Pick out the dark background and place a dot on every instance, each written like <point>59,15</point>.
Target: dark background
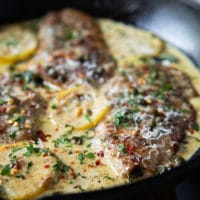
<point>177,23</point>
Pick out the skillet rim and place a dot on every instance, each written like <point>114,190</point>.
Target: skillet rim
<point>163,179</point>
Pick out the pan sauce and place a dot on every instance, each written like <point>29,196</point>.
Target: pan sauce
<point>60,148</point>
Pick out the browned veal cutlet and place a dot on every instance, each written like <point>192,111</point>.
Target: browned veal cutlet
<point>19,108</point>
<point>75,47</point>
<point>150,117</point>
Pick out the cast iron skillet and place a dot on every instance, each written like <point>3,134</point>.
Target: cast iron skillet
<point>172,20</point>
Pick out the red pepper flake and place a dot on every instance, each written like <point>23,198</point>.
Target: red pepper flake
<point>130,149</point>
<point>98,162</point>
<point>72,173</point>
<point>3,109</point>
<point>31,107</point>
<point>22,177</point>
<point>100,153</point>
<point>47,166</point>
<point>79,96</point>
<point>21,82</point>
<point>56,129</point>
<point>62,177</point>
<point>17,164</point>
<point>45,107</point>
<point>40,134</point>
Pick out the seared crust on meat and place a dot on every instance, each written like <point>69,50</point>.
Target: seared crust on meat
<point>18,110</point>
<point>71,35</point>
<point>84,31</point>
<point>151,116</point>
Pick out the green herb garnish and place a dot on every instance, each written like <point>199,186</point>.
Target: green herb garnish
<point>1,189</point>
<point>6,170</point>
<point>79,187</point>
<point>30,164</point>
<point>2,102</point>
<point>81,157</point>
<point>53,106</point>
<point>60,166</point>
<point>12,134</point>
<point>21,119</point>
<point>169,58</point>
<point>121,148</point>
<point>153,74</point>
<point>90,155</point>
<point>108,177</point>
<point>195,126</point>
<point>70,35</point>
<point>31,150</point>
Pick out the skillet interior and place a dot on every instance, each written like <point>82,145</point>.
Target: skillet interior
<point>171,20</point>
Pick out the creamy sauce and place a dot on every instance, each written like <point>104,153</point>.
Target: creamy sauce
<point>74,147</point>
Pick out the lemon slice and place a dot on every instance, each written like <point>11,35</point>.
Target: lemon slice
<point>131,41</point>
<point>24,171</point>
<point>16,44</point>
<point>80,107</point>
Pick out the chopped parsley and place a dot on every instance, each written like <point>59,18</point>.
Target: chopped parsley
<point>60,166</point>
<point>184,111</point>
<point>11,42</point>
<point>79,187</point>
<point>2,102</point>
<point>45,151</point>
<point>20,176</point>
<point>121,148</point>
<point>87,117</point>
<point>119,117</point>
<point>31,150</point>
<point>53,106</point>
<point>30,164</point>
<point>70,35</point>
<point>165,87</point>
<point>169,58</point>
<point>164,57</point>
<point>21,119</point>
<point>81,157</point>
<point>153,74</point>
<point>62,140</point>
<point>87,135</point>
<point>123,117</point>
<point>78,140</point>
<point>29,77</point>
<point>195,126</point>
<point>143,59</point>
<point>88,145</point>
<point>68,126</point>
<point>90,155</point>
<point>108,177</point>
<point>15,149</point>
<point>12,134</point>
<point>1,189</point>
<point>178,160</point>
<point>6,170</point>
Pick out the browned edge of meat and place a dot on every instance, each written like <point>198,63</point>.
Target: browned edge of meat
<point>72,35</point>
<point>19,109</point>
<point>150,118</point>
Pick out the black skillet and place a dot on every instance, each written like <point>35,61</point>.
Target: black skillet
<point>172,20</point>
